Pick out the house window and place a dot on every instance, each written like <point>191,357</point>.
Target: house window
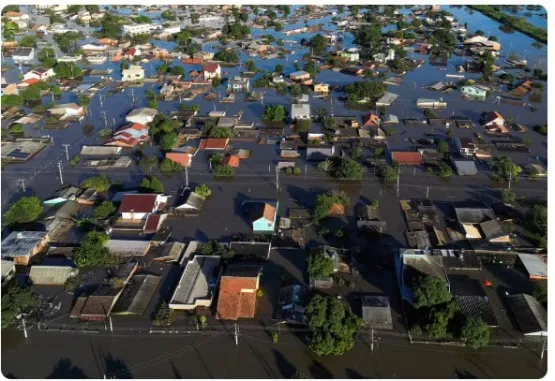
<point>137,75</point>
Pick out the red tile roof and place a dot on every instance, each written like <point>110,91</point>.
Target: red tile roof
<point>407,158</point>
<point>210,67</point>
<point>151,225</point>
<point>180,158</point>
<point>371,120</point>
<point>234,304</point>
<point>137,203</point>
<point>31,81</point>
<point>232,161</point>
<point>214,143</point>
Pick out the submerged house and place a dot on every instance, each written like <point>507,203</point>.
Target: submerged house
<point>264,217</point>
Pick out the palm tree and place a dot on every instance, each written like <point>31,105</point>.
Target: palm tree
<point>325,165</point>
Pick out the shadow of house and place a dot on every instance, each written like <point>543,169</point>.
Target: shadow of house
<point>65,369</point>
<point>318,370</point>
<point>176,373</point>
<point>351,373</point>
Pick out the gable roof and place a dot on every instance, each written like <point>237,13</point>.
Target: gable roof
<point>491,116</point>
<point>529,313</point>
<point>21,243</point>
<point>234,301</point>
<point>180,158</point>
<point>407,158</point>
<point>214,143</point>
<point>210,67</point>
<point>232,160</point>
<point>137,203</point>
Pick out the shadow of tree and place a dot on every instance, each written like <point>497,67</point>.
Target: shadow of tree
<point>65,369</point>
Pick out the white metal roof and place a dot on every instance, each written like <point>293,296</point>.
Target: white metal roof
<point>534,265</point>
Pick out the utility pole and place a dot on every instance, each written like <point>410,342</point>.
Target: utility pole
<point>277,178</point>
<point>236,334</point>
<point>22,181</point>
<point>60,169</point>
<point>105,119</point>
<point>111,325</point>
<point>510,178</point>
<point>372,342</point>
<point>66,146</point>
<point>133,96</point>
<point>427,192</point>
<point>186,177</point>
<point>261,98</point>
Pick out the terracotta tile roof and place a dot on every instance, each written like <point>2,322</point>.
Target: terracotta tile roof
<point>234,304</point>
<point>31,81</point>
<point>269,212</point>
<point>214,143</point>
<point>371,119</point>
<point>407,158</point>
<point>337,210</point>
<point>138,203</point>
<point>210,67</point>
<point>180,158</point>
<point>137,126</point>
<point>13,14</point>
<point>232,161</point>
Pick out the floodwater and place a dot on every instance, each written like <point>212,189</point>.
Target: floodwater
<point>117,106</point>
<point>171,356</point>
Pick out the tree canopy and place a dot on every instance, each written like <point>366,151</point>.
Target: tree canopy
<point>67,70</point>
<point>319,265</point>
<point>99,183</point>
<point>475,332</point>
<point>226,55</point>
<point>16,301</point>
<point>505,168</point>
<point>104,210</point>
<point>274,113</point>
<point>25,210</point>
<point>362,90</point>
<point>325,202</point>
<point>430,290</point>
<point>92,253</point>
<point>151,184</point>
<point>332,327</point>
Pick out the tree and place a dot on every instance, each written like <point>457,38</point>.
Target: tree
<point>390,131</point>
<point>226,55</point>
<point>279,68</point>
<point>98,183</point>
<point>439,317</point>
<point>92,8</point>
<point>167,141</point>
<point>165,316</point>
<point>332,327</point>
<point>148,163</point>
<point>84,100</point>
<point>303,125</point>
<point>445,170</point>
<point>274,113</point>
<point>216,158</point>
<point>153,104</point>
<point>475,332</point>
<point>378,151</point>
<point>29,41</point>
<point>195,18</point>
<point>325,202</point>
<point>16,128</point>
<point>443,147</point>
<point>297,66</point>
<point>348,169</point>
<point>505,168</point>
<point>25,210</point>
<point>203,190</point>
<point>539,129</point>
<point>17,301</point>
<point>12,100</point>
<point>539,291</point>
<point>104,210</point>
<point>168,15</point>
<point>223,171</point>
<point>508,197</point>
<point>56,90</point>
<point>527,141</point>
<point>10,8</point>
<point>251,66</point>
<point>319,265</point>
<point>151,184</point>
<point>92,253</point>
<point>32,93</point>
<point>67,70</point>
<point>538,219</point>
<point>388,174</point>
<point>213,247</point>
<point>169,166</point>
<point>9,28</point>
<point>220,132</point>
<point>295,91</point>
<point>364,90</point>
<point>430,290</point>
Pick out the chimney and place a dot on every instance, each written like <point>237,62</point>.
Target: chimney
<point>19,235</point>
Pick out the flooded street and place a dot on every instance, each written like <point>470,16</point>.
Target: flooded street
<point>93,356</point>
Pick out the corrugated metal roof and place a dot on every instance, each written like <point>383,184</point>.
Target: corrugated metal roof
<point>197,281</point>
<point>51,275</point>
<point>530,315</point>
<point>21,243</point>
<point>536,268</point>
<point>376,312</point>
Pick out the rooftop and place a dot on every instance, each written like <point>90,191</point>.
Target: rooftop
<point>21,243</point>
<point>198,280</point>
<point>530,315</point>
